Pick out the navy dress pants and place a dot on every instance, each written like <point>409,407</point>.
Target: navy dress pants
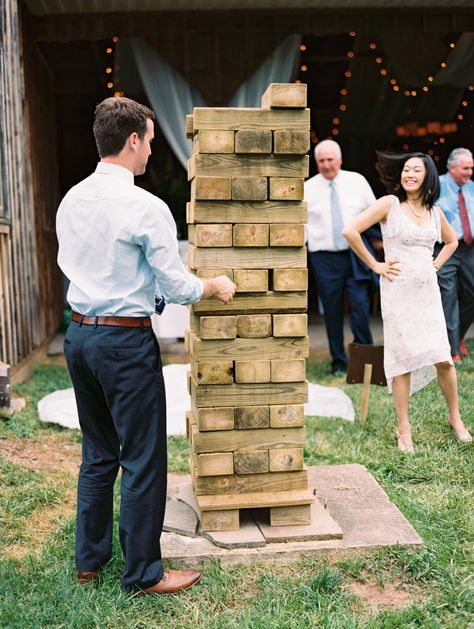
<point>456,283</point>
<point>118,383</point>
<point>332,272</point>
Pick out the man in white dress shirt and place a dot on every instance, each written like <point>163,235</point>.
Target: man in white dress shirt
<point>116,242</point>
<point>335,197</point>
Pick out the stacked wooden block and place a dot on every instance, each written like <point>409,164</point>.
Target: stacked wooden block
<point>247,381</point>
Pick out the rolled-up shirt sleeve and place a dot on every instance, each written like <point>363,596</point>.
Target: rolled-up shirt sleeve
<point>156,234</point>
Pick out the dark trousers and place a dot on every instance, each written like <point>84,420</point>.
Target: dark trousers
<point>332,272</point>
<point>118,383</point>
<point>456,283</point>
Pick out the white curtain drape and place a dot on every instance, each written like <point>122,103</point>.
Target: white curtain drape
<point>172,97</point>
<point>279,67</point>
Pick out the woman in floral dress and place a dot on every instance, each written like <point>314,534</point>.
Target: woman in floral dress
<point>416,347</point>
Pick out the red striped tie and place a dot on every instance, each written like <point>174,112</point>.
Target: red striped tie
<point>466,228</point>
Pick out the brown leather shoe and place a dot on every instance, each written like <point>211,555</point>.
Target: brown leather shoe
<point>174,581</point>
<point>86,577</point>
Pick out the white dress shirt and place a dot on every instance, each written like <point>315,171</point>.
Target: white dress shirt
<point>355,195</point>
<point>115,240</point>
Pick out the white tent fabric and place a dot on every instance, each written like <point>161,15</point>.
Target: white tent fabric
<point>279,67</point>
<point>172,97</point>
<point>60,407</point>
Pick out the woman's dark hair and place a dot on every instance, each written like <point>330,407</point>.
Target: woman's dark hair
<point>115,119</point>
<point>389,167</point>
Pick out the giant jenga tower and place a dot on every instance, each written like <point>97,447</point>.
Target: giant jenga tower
<point>248,378</point>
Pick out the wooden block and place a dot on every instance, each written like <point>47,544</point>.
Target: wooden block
<point>250,235</point>
<point>208,188</point>
<point>206,395</point>
<point>248,166</point>
<point>288,370</point>
<point>252,483</point>
<point>248,349</point>
<point>226,520</point>
<point>290,516</point>
<point>214,141</point>
<point>219,235</point>
<point>252,371</point>
<point>286,460</point>
<point>285,95</point>
<point>189,126</point>
<point>247,257</point>
<point>215,464</point>
<point>253,141</point>
<point>187,343</point>
<point>210,273</point>
<point>247,212</point>
<point>213,372</point>
<point>282,416</point>
<point>254,326</point>
<point>251,417</point>
<point>266,302</point>
<point>292,142</point>
<point>249,118</point>
<point>251,462</point>
<point>190,422</point>
<point>290,279</point>
<point>255,500</point>
<point>290,325</point>
<point>290,188</point>
<point>236,440</point>
<point>249,188</point>
<point>218,327</point>
<point>286,235</point>
<point>216,418</point>
<point>251,281</point>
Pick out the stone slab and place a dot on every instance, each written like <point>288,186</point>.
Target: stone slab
<point>322,527</point>
<point>180,518</point>
<point>249,534</point>
<point>354,500</point>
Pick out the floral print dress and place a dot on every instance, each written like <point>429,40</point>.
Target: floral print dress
<point>414,327</point>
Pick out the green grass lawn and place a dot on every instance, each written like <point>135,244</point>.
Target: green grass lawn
<point>430,587</point>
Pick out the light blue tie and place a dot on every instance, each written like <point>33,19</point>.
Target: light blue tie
<point>337,222</point>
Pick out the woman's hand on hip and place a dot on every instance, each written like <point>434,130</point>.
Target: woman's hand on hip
<point>388,269</point>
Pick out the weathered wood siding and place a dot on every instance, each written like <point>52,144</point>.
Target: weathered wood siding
<point>29,311</point>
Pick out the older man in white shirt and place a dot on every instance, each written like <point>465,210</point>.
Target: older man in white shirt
<point>335,197</point>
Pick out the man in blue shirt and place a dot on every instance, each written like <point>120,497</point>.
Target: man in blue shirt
<point>117,242</point>
<point>456,277</point>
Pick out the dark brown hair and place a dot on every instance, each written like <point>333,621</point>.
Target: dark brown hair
<point>389,167</point>
<point>115,119</point>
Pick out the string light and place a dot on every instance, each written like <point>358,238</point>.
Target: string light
<point>302,47</point>
<point>350,54</point>
<point>352,33</point>
<point>348,74</point>
<point>343,92</point>
<point>109,50</point>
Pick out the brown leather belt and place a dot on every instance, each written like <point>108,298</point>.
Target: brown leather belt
<point>123,322</point>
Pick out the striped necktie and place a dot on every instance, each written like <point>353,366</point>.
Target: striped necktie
<point>466,228</point>
<point>337,222</point>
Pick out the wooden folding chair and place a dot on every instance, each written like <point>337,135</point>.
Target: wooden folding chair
<point>365,366</point>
